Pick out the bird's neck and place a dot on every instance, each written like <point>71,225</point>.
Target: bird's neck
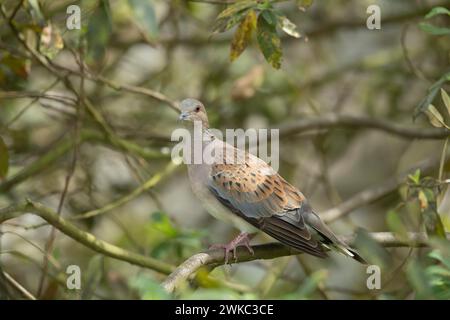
<point>207,135</point>
<point>200,138</point>
<point>198,131</point>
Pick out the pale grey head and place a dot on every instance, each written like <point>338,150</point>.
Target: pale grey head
<point>193,110</point>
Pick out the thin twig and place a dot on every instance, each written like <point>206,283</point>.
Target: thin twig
<point>150,183</point>
<point>70,173</point>
<point>416,71</point>
<point>38,95</point>
<point>18,287</point>
<point>27,107</point>
<point>58,150</point>
<point>123,87</point>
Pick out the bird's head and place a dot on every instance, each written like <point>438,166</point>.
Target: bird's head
<point>193,110</point>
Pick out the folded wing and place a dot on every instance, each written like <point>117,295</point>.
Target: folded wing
<point>255,192</point>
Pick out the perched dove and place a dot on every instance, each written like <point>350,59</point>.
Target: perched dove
<point>237,186</point>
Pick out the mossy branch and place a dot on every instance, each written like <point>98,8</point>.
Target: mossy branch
<point>274,250</point>
<point>83,237</point>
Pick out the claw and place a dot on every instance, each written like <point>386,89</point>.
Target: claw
<point>242,239</point>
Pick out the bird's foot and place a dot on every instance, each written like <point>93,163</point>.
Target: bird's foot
<point>243,239</point>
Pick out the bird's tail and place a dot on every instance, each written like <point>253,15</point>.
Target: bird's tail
<point>353,254</point>
<point>330,240</point>
<point>346,250</point>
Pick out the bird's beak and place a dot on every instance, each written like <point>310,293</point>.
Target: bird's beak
<point>183,116</point>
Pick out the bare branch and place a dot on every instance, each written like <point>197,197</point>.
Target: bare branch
<point>121,87</point>
<point>375,193</point>
<point>361,122</point>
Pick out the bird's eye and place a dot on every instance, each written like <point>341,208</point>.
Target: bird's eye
<point>197,109</point>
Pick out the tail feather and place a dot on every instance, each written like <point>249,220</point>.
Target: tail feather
<point>350,252</point>
<point>330,239</point>
<point>357,256</point>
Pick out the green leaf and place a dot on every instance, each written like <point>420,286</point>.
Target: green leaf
<point>144,13</point>
<point>371,250</point>
<point>288,27</point>
<point>92,276</point>
<point>214,294</point>
<point>304,4</point>
<point>311,283</point>
<point>431,219</point>
<point>436,31</point>
<point>437,255</point>
<point>419,280</point>
<point>162,223</point>
<point>243,35</point>
<point>395,223</point>
<point>98,32</point>
<point>433,223</point>
<point>437,10</point>
<point>4,159</point>
<point>224,24</point>
<point>270,17</point>
<point>232,15</point>
<point>446,100</point>
<point>268,40</point>
<point>148,288</point>
<point>431,94</point>
<point>438,272</point>
<point>36,12</point>
<point>435,116</point>
<point>236,7</point>
<point>415,177</point>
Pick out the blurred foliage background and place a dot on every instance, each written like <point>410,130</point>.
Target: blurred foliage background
<point>86,117</point>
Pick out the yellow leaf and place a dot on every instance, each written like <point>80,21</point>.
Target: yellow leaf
<point>423,200</point>
<point>304,4</point>
<point>235,8</point>
<point>243,35</point>
<point>435,116</point>
<point>446,100</point>
<point>289,27</point>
